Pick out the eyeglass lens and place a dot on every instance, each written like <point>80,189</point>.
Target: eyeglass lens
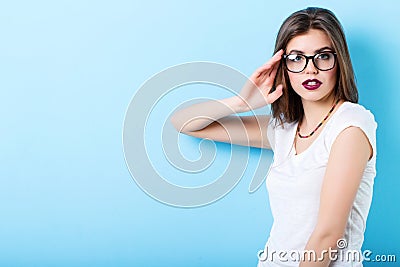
<point>322,61</point>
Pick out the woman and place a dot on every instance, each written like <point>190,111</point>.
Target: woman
<point>320,183</point>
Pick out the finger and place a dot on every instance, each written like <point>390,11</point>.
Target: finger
<point>275,58</point>
<point>266,69</point>
<point>262,69</point>
<point>269,73</point>
<point>272,73</point>
<point>272,97</point>
<point>270,63</point>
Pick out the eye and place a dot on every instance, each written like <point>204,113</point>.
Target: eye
<point>294,57</point>
<point>324,56</point>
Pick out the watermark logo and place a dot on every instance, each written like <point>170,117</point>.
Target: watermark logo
<point>341,243</point>
<point>134,135</point>
<point>341,253</point>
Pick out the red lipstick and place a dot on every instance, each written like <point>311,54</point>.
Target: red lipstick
<point>312,84</point>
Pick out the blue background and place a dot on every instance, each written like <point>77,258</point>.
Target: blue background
<point>68,70</point>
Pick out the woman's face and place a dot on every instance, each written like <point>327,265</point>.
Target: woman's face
<point>312,84</point>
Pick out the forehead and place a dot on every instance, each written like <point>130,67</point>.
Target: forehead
<point>309,42</point>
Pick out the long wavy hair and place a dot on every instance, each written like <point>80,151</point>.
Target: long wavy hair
<point>289,108</point>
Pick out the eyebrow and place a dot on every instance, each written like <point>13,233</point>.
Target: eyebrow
<point>316,51</point>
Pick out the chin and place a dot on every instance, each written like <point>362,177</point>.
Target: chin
<point>316,95</point>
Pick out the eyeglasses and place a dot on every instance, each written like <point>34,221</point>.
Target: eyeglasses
<point>297,62</point>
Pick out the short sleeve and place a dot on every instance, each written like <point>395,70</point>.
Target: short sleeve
<point>356,115</point>
<point>271,132</point>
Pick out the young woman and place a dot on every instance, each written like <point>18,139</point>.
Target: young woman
<point>320,183</point>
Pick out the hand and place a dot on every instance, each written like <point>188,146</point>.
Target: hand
<point>256,92</point>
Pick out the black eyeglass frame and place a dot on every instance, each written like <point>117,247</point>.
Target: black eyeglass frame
<point>312,59</point>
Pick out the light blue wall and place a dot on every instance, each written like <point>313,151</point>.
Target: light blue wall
<point>68,70</point>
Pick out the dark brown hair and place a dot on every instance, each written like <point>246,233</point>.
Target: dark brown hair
<point>289,108</point>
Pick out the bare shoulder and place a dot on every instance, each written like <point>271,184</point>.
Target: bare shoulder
<point>354,125</point>
<point>353,140</point>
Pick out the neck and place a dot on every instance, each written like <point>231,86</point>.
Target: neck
<point>315,111</point>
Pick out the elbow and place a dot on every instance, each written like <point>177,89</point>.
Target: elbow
<point>329,237</point>
<point>177,125</point>
<point>174,123</point>
<point>333,240</point>
<point>182,124</point>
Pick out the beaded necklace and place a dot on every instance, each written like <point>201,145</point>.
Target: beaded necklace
<point>319,125</point>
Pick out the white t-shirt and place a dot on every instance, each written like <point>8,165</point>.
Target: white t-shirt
<point>294,183</point>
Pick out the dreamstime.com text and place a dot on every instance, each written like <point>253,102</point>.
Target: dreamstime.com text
<point>339,254</point>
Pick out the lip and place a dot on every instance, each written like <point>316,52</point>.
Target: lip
<point>315,86</point>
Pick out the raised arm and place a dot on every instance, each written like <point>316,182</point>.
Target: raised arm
<point>215,120</point>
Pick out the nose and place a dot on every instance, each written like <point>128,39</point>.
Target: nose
<point>310,68</point>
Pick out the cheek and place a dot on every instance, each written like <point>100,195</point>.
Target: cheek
<point>331,76</point>
<point>295,80</point>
